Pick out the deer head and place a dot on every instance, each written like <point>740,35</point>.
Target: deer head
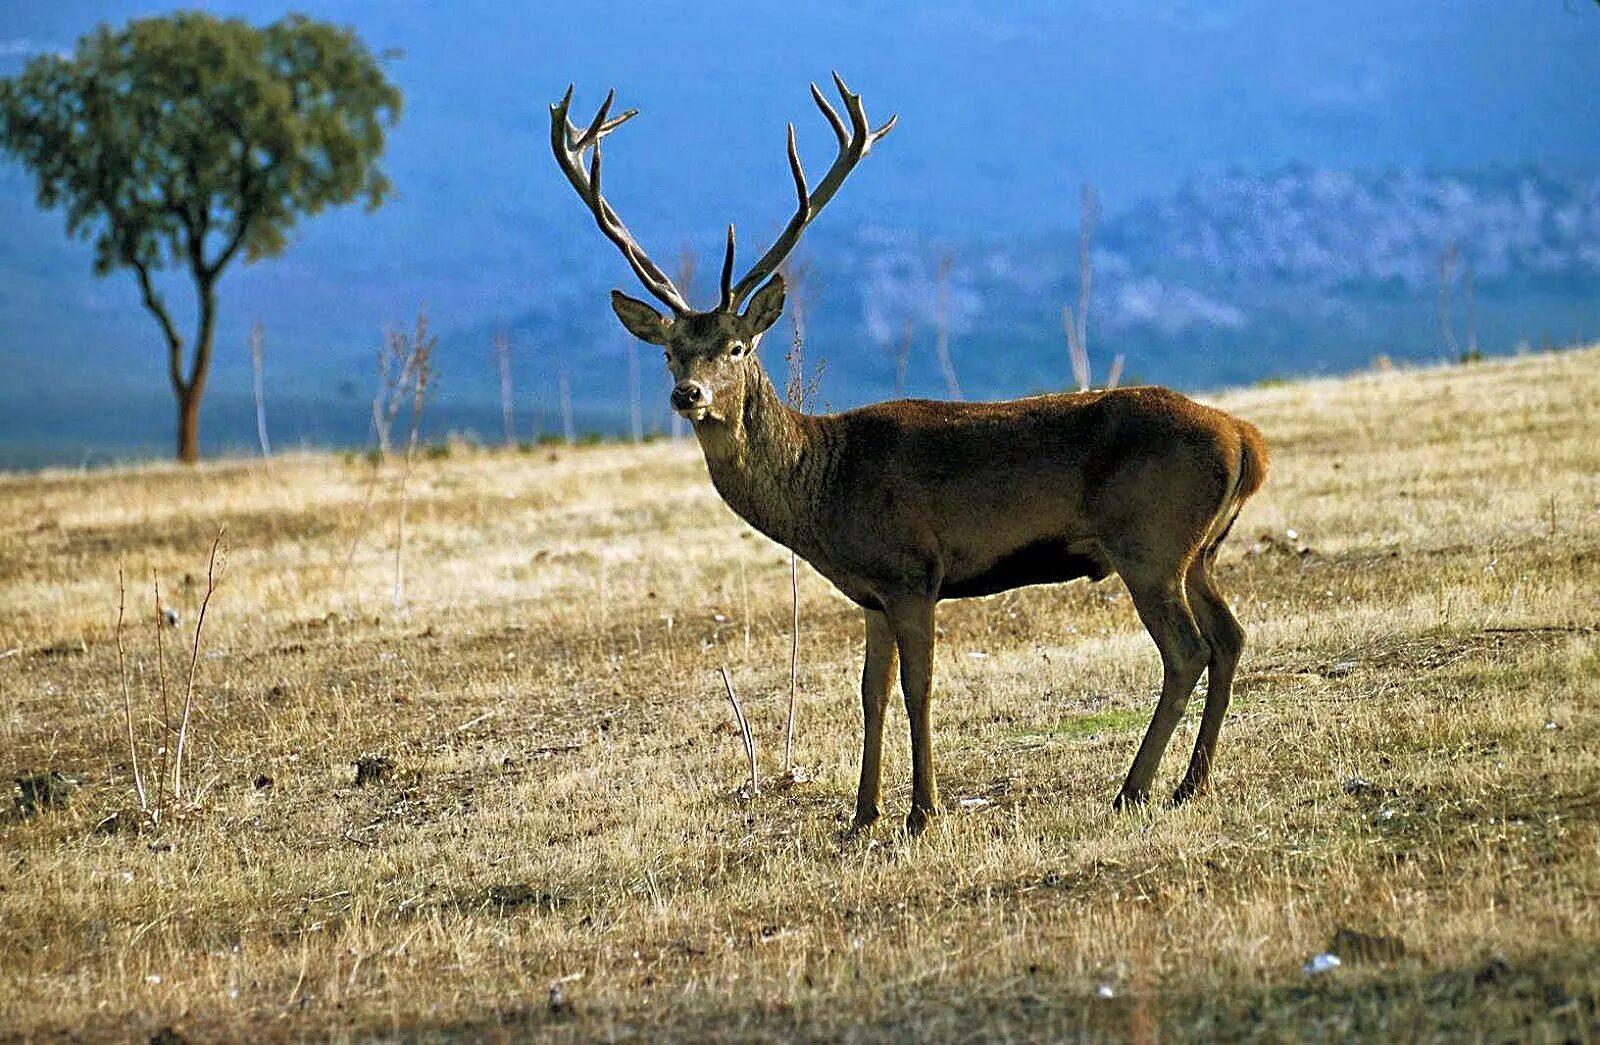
<point>711,354</point>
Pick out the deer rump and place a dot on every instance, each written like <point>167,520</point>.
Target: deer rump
<point>973,499</point>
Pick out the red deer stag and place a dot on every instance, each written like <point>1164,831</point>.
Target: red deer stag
<point>904,503</point>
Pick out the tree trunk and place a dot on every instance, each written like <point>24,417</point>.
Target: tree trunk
<point>188,425</point>
<point>188,392</point>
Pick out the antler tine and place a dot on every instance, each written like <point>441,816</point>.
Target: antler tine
<point>727,274</point>
<point>569,143</point>
<point>832,117</point>
<point>854,143</point>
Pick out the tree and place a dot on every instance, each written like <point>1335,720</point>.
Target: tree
<point>189,140</point>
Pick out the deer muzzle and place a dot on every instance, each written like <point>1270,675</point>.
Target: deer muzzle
<point>691,399</point>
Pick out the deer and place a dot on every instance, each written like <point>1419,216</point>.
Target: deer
<point>906,503</point>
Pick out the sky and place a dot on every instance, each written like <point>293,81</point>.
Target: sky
<point>1004,110</point>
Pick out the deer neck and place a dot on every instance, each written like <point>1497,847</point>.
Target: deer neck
<point>763,462</point>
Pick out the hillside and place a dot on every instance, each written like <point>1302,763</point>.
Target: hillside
<point>1227,280</point>
<point>557,846</point>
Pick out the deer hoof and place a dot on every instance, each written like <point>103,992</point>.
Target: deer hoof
<point>1187,790</point>
<point>862,823</point>
<point>920,820</point>
<point>1129,799</point>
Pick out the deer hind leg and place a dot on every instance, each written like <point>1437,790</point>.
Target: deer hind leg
<point>1164,609</point>
<point>1226,639</point>
<point>912,622</point>
<point>877,678</point>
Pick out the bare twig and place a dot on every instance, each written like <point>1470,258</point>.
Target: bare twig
<point>127,697</point>
<point>502,359</point>
<point>419,365</point>
<point>194,660</point>
<point>395,361</point>
<point>161,685</point>
<point>1447,270</point>
<point>635,406</point>
<point>1467,281</point>
<point>1088,219</point>
<point>569,431</point>
<point>902,359</point>
<point>1077,325</point>
<point>941,343</point>
<point>258,381</point>
<point>754,787</point>
<point>1075,350</point>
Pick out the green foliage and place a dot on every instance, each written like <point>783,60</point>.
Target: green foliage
<point>185,140</point>
<point>191,138</point>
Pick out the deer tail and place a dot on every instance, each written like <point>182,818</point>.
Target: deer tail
<point>1253,458</point>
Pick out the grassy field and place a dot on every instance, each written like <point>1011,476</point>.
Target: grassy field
<point>1410,776</point>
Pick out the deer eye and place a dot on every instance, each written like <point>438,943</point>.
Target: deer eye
<point>737,349</point>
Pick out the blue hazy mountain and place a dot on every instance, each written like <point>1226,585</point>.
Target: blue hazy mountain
<point>1279,182</point>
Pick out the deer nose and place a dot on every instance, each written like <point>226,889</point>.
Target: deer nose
<point>688,395</point>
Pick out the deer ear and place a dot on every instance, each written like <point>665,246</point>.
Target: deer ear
<point>642,321</point>
<point>765,307</point>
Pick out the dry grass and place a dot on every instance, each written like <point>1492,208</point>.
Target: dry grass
<point>1414,754</point>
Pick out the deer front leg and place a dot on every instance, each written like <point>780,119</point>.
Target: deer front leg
<point>877,676</point>
<point>912,621</point>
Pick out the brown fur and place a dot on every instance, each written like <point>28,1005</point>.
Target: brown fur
<point>906,503</point>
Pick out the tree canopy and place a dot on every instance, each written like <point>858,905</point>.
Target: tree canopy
<point>187,140</point>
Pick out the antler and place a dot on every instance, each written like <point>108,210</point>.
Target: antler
<point>853,145</point>
<point>569,144</point>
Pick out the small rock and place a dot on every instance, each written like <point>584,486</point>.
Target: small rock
<point>1357,785</point>
<point>41,791</point>
<point>1105,990</point>
<point>122,821</point>
<point>1321,963</point>
<point>1558,1000</point>
<point>1495,970</point>
<point>373,769</point>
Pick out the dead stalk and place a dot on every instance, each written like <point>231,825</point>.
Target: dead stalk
<point>1075,349</point>
<point>941,342</point>
<point>258,382</point>
<point>194,660</point>
<point>635,407</point>
<point>1077,327</point>
<point>902,361</point>
<point>754,787</point>
<point>502,359</point>
<point>1447,271</point>
<point>127,696</point>
<point>569,431</point>
<point>420,368</point>
<point>394,373</point>
<point>161,686</point>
